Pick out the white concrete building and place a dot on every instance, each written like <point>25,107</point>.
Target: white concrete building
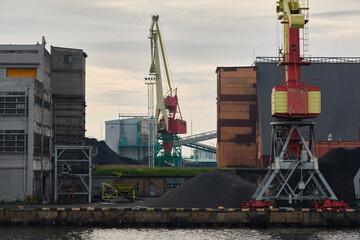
<point>25,125</point>
<point>127,136</point>
<point>28,114</point>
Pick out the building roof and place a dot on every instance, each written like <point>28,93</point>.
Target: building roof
<point>231,68</point>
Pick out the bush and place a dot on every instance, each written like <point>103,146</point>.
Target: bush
<point>148,172</point>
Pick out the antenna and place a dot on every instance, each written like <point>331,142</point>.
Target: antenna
<point>43,41</point>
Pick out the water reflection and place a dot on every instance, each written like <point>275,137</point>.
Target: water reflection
<point>34,232</point>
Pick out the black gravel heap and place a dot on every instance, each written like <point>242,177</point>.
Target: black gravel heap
<point>208,190</point>
<point>339,167</point>
<point>106,155</point>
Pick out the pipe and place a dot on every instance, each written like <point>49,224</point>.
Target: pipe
<point>26,134</point>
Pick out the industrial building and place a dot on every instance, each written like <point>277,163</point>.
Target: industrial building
<point>128,135</point>
<point>238,141</point>
<point>33,86</point>
<point>68,91</point>
<point>244,107</point>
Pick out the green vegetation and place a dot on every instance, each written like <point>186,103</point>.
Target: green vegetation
<point>148,172</point>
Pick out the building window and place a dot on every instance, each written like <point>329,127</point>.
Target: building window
<point>37,144</point>
<point>38,100</point>
<point>47,105</point>
<point>13,141</point>
<point>46,145</point>
<point>13,103</point>
<point>18,51</point>
<point>67,58</point>
<point>171,183</point>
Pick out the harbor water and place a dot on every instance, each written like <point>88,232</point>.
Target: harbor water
<point>89,233</point>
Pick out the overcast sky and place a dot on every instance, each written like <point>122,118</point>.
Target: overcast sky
<point>199,36</point>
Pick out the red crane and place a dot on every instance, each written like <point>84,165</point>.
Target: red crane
<point>294,100</point>
<point>168,115</point>
<point>294,175</point>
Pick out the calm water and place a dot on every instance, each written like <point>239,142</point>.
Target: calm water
<point>178,234</point>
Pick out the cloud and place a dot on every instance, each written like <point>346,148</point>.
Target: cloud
<point>199,35</point>
<point>327,15</point>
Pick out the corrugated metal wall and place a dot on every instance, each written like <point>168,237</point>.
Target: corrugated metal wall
<point>238,139</point>
<point>339,85</point>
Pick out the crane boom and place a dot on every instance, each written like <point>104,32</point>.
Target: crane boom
<point>168,115</point>
<point>155,69</point>
<point>164,58</point>
<point>167,107</point>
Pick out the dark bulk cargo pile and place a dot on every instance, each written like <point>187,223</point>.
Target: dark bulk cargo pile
<point>105,155</point>
<point>208,190</point>
<point>339,167</point>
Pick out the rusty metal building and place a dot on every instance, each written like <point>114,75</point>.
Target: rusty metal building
<point>237,113</point>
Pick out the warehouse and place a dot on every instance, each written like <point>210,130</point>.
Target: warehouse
<point>247,143</point>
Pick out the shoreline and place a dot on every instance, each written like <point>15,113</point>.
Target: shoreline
<point>177,217</point>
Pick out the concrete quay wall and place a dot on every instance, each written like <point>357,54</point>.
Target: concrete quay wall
<point>178,217</point>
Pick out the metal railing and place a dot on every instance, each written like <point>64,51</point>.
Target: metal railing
<point>352,60</point>
<point>132,115</point>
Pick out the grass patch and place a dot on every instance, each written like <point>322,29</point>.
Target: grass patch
<point>148,172</point>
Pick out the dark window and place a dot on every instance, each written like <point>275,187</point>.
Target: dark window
<point>13,103</point>
<point>13,141</point>
<point>19,51</point>
<point>171,183</point>
<point>67,58</point>
<point>46,145</point>
<point>37,144</point>
<point>47,105</point>
<point>38,100</point>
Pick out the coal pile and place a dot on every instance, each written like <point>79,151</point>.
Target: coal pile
<point>339,167</point>
<point>208,190</point>
<point>105,155</point>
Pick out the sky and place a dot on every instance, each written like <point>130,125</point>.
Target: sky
<point>199,36</point>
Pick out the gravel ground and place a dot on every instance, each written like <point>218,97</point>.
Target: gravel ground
<point>208,190</point>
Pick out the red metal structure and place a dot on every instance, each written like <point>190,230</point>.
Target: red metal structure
<point>330,205</point>
<point>252,204</point>
<point>294,175</point>
<point>175,125</point>
<point>297,93</point>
